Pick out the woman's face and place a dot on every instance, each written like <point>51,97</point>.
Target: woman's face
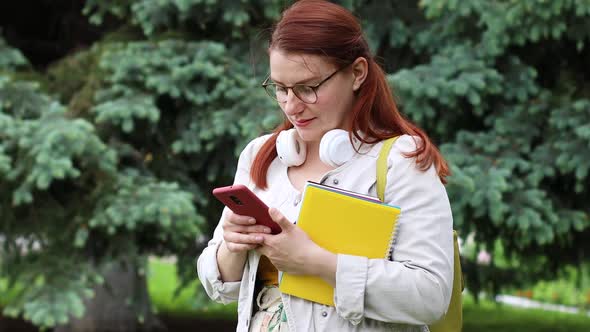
<point>335,96</point>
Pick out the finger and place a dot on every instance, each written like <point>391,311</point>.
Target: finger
<point>238,247</point>
<point>247,229</point>
<point>278,217</point>
<point>239,219</point>
<point>233,237</point>
<point>257,229</point>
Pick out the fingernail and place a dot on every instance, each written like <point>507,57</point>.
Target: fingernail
<point>252,221</point>
<point>258,238</point>
<point>267,230</point>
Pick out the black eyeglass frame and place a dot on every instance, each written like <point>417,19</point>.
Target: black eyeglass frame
<point>314,88</point>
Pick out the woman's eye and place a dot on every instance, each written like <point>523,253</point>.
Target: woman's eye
<point>306,90</point>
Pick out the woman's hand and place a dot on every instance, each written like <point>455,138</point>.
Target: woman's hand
<point>294,252</point>
<point>240,233</point>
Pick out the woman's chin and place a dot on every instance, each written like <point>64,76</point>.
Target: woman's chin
<point>309,136</point>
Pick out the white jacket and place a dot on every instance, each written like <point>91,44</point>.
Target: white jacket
<point>403,294</point>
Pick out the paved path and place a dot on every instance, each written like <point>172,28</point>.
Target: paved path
<point>528,303</point>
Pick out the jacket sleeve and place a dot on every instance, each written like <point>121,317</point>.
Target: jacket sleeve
<point>415,287</point>
<point>207,268</point>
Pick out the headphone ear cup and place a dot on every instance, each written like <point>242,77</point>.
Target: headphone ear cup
<point>291,149</point>
<point>335,148</point>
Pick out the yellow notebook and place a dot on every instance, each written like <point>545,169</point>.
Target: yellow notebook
<point>341,222</point>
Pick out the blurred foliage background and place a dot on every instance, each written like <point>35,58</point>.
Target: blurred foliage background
<point>118,117</point>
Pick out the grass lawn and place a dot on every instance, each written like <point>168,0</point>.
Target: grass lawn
<point>489,316</point>
<point>162,282</point>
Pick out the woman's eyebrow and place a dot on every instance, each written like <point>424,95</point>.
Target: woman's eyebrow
<point>307,80</point>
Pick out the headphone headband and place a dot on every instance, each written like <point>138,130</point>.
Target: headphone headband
<point>335,147</point>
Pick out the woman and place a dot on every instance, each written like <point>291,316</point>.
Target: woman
<point>324,78</point>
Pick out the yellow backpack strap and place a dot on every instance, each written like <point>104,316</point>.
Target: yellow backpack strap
<point>382,167</point>
<point>452,321</point>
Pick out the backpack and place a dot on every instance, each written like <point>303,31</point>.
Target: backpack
<point>452,321</point>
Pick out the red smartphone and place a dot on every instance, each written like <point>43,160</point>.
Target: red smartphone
<point>243,201</point>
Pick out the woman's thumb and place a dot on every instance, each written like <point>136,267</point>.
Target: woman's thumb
<point>278,217</point>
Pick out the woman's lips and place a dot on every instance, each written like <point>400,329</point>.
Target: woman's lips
<point>303,123</point>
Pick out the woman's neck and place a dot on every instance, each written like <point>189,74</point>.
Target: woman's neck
<point>311,170</point>
<point>313,162</point>
<point>313,152</point>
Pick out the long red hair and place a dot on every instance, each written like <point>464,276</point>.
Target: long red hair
<point>326,29</point>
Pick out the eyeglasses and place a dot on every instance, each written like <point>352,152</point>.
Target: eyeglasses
<point>306,93</point>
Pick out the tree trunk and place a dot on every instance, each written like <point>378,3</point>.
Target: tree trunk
<point>110,309</point>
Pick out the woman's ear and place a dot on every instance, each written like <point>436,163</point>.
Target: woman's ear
<point>360,69</point>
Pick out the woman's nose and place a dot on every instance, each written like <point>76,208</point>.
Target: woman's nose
<point>293,104</point>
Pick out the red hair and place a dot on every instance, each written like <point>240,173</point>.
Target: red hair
<point>326,29</point>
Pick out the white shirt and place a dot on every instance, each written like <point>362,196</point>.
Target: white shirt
<point>403,294</point>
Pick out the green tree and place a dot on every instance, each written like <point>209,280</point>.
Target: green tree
<point>503,88</point>
<point>506,93</point>
<point>108,154</point>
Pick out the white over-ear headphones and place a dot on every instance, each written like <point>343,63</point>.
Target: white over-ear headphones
<point>335,148</point>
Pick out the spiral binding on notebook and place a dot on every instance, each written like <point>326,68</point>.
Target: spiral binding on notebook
<point>392,242</point>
